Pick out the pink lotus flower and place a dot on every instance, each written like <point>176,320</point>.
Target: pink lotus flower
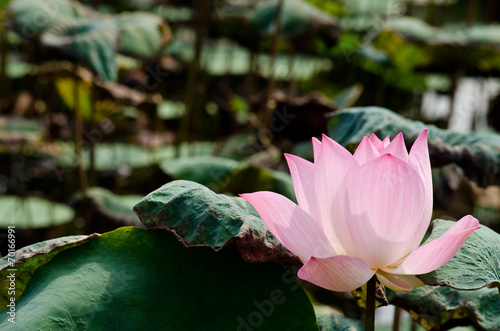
<point>362,214</point>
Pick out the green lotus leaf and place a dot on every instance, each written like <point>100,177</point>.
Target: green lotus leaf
<point>442,308</point>
<point>116,209</point>
<point>26,260</point>
<point>475,265</point>
<point>32,17</point>
<point>142,34</point>
<point>199,216</point>
<point>211,171</point>
<point>32,213</point>
<point>132,278</point>
<point>297,15</point>
<point>329,320</point>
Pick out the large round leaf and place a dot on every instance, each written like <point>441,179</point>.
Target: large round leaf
<point>210,171</point>
<point>27,259</point>
<point>32,213</point>
<point>112,208</point>
<point>329,320</point>
<point>171,110</point>
<point>141,34</point>
<point>87,37</point>
<point>90,42</point>
<point>134,279</point>
<point>15,128</point>
<point>476,264</point>
<point>31,17</point>
<point>412,43</point>
<point>441,308</point>
<point>113,156</point>
<point>199,216</point>
<point>221,58</point>
<point>225,175</point>
<point>296,17</point>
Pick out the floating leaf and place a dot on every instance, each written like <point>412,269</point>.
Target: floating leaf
<point>91,42</point>
<point>27,259</point>
<point>446,48</point>
<point>476,264</point>
<point>132,278</point>
<point>20,128</point>
<point>32,213</point>
<point>32,17</point>
<point>253,178</point>
<point>168,110</point>
<point>442,308</point>
<point>174,14</point>
<point>296,17</point>
<point>210,171</point>
<point>201,217</point>
<point>19,69</point>
<point>329,320</point>
<point>113,156</point>
<point>239,146</point>
<point>108,156</point>
<point>414,28</point>
<point>304,66</point>
<point>222,58</point>
<point>116,209</point>
<point>483,34</point>
<point>477,153</point>
<point>405,56</point>
<point>225,175</point>
<point>87,37</point>
<point>348,96</point>
<point>141,35</point>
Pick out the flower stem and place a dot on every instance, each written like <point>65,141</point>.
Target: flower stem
<point>370,304</point>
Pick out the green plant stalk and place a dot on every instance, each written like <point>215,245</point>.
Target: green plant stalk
<point>371,286</point>
<point>266,111</point>
<point>93,112</point>
<point>190,124</point>
<point>271,83</point>
<point>3,59</point>
<point>250,76</point>
<point>292,87</point>
<point>79,133</point>
<point>397,319</point>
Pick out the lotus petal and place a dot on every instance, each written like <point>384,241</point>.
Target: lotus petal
<point>379,144</point>
<point>397,148</point>
<point>400,283</point>
<point>337,273</point>
<point>383,205</point>
<point>291,225</point>
<point>316,148</point>
<point>331,169</point>
<point>302,172</point>
<point>365,151</point>
<point>419,159</point>
<point>436,253</point>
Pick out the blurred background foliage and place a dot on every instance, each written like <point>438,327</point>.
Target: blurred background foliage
<point>104,102</point>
